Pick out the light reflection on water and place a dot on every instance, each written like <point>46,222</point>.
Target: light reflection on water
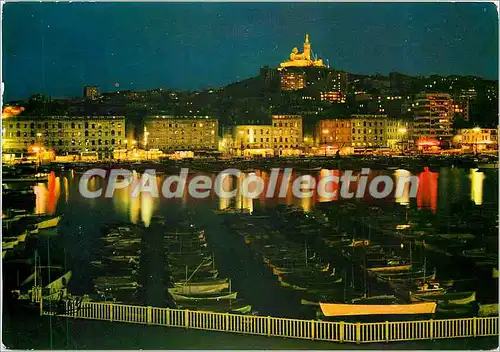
<point>451,182</point>
<point>477,181</point>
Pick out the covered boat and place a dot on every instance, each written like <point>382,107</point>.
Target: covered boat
<point>339,309</point>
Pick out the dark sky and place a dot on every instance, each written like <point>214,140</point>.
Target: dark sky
<point>57,48</point>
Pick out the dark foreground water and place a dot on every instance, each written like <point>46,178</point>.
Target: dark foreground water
<point>77,244</point>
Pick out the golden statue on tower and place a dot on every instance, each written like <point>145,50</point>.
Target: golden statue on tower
<point>302,59</point>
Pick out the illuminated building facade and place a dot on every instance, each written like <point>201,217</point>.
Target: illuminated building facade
<point>334,133</point>
<point>461,108</point>
<point>64,134</point>
<point>399,134</point>
<point>253,140</point>
<point>332,96</point>
<point>90,92</point>
<point>283,137</point>
<point>288,134</point>
<point>433,115</point>
<point>171,133</point>
<point>477,139</point>
<point>369,131</point>
<point>292,80</point>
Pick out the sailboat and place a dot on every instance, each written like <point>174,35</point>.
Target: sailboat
<point>53,291</point>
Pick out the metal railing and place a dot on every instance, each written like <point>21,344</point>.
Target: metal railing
<point>280,327</point>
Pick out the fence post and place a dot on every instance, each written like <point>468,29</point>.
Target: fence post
<point>431,332</point>
<point>386,331</point>
<point>358,332</point>
<point>341,337</point>
<point>167,318</point>
<point>474,326</point>
<point>312,330</point>
<point>110,312</point>
<point>186,318</point>
<point>227,322</point>
<point>150,315</point>
<point>268,325</point>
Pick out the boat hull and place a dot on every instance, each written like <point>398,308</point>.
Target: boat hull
<point>334,309</point>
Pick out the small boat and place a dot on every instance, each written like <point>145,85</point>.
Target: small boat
<point>410,278</point>
<point>305,302</point>
<point>488,310</point>
<point>390,268</point>
<point>492,165</point>
<point>381,299</point>
<point>228,306</point>
<point>455,298</point>
<point>60,283</point>
<point>339,309</point>
<point>477,253</point>
<point>209,297</point>
<point>199,287</point>
<point>426,290</point>
<point>456,309</point>
<point>48,223</point>
<point>457,236</point>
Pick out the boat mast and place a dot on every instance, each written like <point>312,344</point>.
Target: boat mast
<point>305,244</point>
<point>345,284</point>
<point>50,291</point>
<point>425,264</point>
<point>35,266</point>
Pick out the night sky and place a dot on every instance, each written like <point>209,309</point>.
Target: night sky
<point>57,48</point>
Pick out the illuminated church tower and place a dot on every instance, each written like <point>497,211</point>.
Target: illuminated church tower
<point>307,48</point>
<point>302,59</point>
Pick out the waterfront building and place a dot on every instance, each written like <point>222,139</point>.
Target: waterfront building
<point>288,134</point>
<point>90,92</point>
<point>477,139</point>
<point>334,133</point>
<point>249,140</point>
<point>284,136</point>
<point>64,134</point>
<point>369,131</point>
<point>399,134</point>
<point>174,133</point>
<point>433,116</point>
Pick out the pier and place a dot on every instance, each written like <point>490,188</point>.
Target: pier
<point>358,333</point>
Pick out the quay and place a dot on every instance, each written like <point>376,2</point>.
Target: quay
<point>358,333</point>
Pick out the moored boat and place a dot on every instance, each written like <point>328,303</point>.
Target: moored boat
<point>339,309</point>
<point>207,297</point>
<point>488,310</point>
<point>199,287</point>
<point>454,298</point>
<point>426,290</point>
